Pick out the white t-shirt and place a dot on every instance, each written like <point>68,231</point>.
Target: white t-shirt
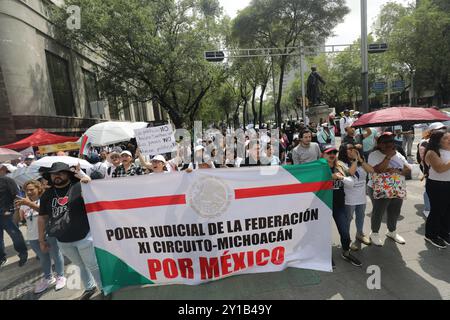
<point>397,162</point>
<point>31,216</point>
<point>444,176</point>
<point>355,189</point>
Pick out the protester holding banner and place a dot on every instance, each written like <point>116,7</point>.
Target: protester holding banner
<point>127,168</point>
<point>29,211</point>
<point>114,161</point>
<point>62,207</point>
<point>339,215</point>
<point>355,191</point>
<point>306,151</point>
<point>387,187</point>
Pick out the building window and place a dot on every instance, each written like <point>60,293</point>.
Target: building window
<point>126,108</point>
<point>91,92</point>
<point>140,111</point>
<point>58,69</point>
<point>113,108</point>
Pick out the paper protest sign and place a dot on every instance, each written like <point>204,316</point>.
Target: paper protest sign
<point>156,140</point>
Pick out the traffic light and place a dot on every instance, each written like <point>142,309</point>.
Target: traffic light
<point>377,47</point>
<point>214,56</point>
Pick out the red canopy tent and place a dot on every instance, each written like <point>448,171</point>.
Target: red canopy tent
<point>39,138</point>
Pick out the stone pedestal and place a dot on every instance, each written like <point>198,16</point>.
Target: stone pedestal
<point>318,112</point>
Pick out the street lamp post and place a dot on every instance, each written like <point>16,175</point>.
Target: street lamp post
<point>364,59</point>
<point>303,82</point>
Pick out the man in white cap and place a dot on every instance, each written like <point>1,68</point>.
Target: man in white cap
<point>345,122</point>
<point>325,135</point>
<point>127,168</point>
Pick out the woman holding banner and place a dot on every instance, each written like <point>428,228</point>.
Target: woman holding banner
<point>339,175</point>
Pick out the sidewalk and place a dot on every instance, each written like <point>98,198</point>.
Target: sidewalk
<point>17,283</point>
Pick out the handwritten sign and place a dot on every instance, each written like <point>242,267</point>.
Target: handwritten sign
<point>156,140</point>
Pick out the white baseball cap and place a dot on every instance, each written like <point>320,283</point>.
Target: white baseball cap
<point>436,126</point>
<point>159,158</point>
<point>8,167</point>
<point>126,152</point>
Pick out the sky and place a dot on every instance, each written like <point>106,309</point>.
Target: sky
<point>346,32</point>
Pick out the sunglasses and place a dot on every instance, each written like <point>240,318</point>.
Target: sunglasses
<point>332,152</point>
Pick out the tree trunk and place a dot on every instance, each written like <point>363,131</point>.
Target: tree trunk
<point>244,113</point>
<point>255,114</point>
<point>280,91</point>
<point>261,102</point>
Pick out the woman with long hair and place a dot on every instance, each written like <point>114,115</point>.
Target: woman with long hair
<point>29,211</point>
<point>340,177</point>
<point>437,168</point>
<point>355,192</point>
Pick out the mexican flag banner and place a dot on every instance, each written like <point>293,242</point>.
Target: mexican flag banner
<point>191,228</point>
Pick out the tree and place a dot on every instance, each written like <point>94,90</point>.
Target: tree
<point>421,41</point>
<point>154,47</point>
<point>285,23</point>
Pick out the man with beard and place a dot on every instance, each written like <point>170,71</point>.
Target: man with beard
<point>62,206</point>
<point>306,151</point>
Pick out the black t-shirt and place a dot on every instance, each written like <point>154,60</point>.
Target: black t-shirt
<point>8,192</point>
<point>338,192</point>
<point>55,202</point>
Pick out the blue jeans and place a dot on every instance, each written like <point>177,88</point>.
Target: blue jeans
<point>359,211</point>
<point>45,258</point>
<point>82,254</point>
<point>343,225</point>
<point>426,201</point>
<point>7,224</point>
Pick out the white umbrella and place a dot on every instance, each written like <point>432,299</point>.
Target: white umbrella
<point>111,132</point>
<point>47,162</point>
<point>8,155</point>
<point>22,175</point>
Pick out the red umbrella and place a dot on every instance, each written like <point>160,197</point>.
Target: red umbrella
<point>39,138</point>
<point>400,115</point>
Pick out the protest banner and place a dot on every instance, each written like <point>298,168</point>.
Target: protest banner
<point>191,228</point>
<point>67,146</point>
<point>156,140</point>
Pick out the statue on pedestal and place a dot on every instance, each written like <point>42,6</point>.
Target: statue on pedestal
<point>313,87</point>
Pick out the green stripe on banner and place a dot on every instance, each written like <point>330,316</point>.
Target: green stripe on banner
<point>315,171</point>
<point>116,273</point>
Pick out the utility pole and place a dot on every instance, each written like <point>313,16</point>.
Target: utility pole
<point>302,74</point>
<point>364,59</point>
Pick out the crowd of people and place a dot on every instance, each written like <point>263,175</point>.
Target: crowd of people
<point>369,162</point>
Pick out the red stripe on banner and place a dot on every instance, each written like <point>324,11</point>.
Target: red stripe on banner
<point>282,190</point>
<point>136,203</point>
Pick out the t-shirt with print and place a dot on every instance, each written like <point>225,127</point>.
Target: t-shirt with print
<point>55,202</point>
<point>355,192</point>
<point>31,216</point>
<point>338,192</point>
<point>397,161</point>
